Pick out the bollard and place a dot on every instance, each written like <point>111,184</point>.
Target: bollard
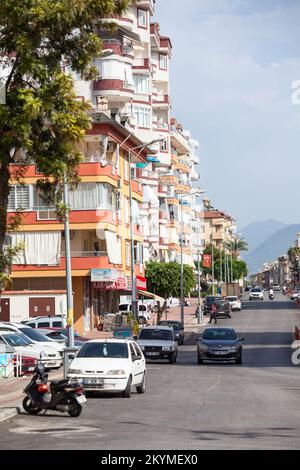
<point>69,355</point>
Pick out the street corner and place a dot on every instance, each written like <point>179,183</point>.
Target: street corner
<point>7,413</point>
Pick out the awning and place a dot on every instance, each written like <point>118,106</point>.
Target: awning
<point>149,295</point>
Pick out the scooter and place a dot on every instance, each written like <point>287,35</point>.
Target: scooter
<point>65,395</point>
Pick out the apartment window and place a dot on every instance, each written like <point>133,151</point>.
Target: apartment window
<point>164,146</point>
<point>142,18</point>
<point>127,253</point>
<point>163,61</point>
<point>126,210</point>
<point>93,196</point>
<point>19,198</point>
<point>141,84</point>
<point>142,117</point>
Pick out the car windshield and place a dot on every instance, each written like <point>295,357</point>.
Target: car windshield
<point>13,339</point>
<point>231,299</point>
<point>124,307</point>
<point>256,290</point>
<point>35,335</point>
<point>163,335</point>
<point>219,334</point>
<point>104,350</point>
<point>175,326</point>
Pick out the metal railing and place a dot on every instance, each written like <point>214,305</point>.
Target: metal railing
<point>86,254</point>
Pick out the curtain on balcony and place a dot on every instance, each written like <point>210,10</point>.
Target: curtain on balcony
<point>150,196</point>
<point>114,250</point>
<point>92,196</point>
<point>41,248</point>
<point>173,236</point>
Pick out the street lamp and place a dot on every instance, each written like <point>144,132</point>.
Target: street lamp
<point>199,309</point>
<point>195,192</point>
<point>134,301</point>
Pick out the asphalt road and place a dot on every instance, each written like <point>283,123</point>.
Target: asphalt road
<point>213,406</point>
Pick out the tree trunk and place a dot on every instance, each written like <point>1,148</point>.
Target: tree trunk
<point>160,310</point>
<point>4,192</point>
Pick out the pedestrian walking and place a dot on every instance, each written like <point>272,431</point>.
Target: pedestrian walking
<point>213,313</point>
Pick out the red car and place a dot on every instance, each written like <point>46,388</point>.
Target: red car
<point>27,367</point>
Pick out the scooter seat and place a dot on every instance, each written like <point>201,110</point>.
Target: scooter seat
<point>59,383</point>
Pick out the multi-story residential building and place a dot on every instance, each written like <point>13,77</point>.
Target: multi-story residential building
<point>218,226</point>
<point>100,235</point>
<point>131,106</point>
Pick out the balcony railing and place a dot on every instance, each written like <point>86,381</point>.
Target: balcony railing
<point>85,254</point>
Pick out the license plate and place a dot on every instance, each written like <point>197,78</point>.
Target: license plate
<point>220,353</point>
<point>51,364</point>
<point>152,353</point>
<point>31,368</point>
<point>93,381</point>
<point>81,399</point>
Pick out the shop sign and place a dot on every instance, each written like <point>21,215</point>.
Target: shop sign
<point>104,275</point>
<point>141,283</point>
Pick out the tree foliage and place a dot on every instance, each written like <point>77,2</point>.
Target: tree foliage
<point>163,279</point>
<point>239,267</point>
<point>39,41</point>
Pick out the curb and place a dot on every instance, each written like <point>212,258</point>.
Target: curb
<point>8,413</point>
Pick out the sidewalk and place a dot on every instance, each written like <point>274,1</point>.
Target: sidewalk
<point>11,393</point>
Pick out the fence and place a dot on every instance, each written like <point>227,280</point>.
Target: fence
<point>15,365</point>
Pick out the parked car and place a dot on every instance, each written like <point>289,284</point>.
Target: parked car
<point>235,303</point>
<point>22,345</point>
<point>219,344</point>
<point>34,335</point>
<point>208,301</point>
<point>60,335</point>
<point>26,366</point>
<point>52,321</point>
<point>256,293</point>
<point>110,365</point>
<point>276,287</point>
<point>223,308</point>
<point>158,342</point>
<point>177,327</point>
<point>144,311</point>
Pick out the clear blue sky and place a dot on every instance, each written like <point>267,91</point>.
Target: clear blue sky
<point>233,65</point>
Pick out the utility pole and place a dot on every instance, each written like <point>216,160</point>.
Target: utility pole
<point>70,316</point>
<point>199,316</point>
<point>212,265</point>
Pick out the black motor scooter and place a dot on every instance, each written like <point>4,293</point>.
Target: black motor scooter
<point>271,296</point>
<point>65,395</point>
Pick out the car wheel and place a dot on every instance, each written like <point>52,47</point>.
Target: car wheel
<point>239,359</point>
<point>200,361</point>
<point>127,391</point>
<point>142,387</point>
<point>172,359</point>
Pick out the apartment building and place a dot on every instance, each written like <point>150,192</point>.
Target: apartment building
<point>219,227</point>
<point>131,115</point>
<point>100,235</point>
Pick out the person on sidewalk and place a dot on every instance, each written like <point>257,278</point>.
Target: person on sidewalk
<point>213,313</point>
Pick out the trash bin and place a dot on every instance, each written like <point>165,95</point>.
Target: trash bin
<point>69,355</point>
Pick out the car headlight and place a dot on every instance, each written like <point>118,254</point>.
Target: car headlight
<point>233,348</point>
<point>167,348</point>
<point>74,371</point>
<point>203,346</point>
<point>142,348</point>
<point>116,372</point>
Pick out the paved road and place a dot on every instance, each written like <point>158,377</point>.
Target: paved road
<point>214,406</point>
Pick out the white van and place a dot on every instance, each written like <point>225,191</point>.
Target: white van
<point>144,311</point>
<point>54,321</point>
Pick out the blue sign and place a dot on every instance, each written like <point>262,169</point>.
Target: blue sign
<point>104,275</point>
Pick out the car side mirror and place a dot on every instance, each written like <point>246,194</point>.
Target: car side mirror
<point>71,356</point>
<point>241,339</point>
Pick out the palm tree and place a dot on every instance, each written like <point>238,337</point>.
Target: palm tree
<point>236,245</point>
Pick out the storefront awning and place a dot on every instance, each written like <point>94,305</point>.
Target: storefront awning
<point>149,295</point>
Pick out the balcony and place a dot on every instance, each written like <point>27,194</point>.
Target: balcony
<point>182,165</point>
<point>179,142</point>
<point>162,190</point>
<point>174,159</point>
<point>163,241</point>
<point>113,88</point>
<point>161,101</point>
<point>182,189</point>
<point>170,179</point>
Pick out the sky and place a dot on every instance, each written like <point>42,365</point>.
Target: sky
<point>233,66</point>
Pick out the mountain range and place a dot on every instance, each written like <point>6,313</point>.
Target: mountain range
<point>267,241</point>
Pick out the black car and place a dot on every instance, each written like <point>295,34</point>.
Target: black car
<point>219,344</point>
<point>223,308</point>
<point>209,300</point>
<point>177,327</point>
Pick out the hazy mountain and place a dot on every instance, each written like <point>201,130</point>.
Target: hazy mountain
<point>276,245</point>
<point>258,232</point>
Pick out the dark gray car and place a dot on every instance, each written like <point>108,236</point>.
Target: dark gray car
<point>219,344</point>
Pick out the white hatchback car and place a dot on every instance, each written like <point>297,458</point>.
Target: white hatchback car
<point>235,302</point>
<point>256,294</point>
<point>110,365</point>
